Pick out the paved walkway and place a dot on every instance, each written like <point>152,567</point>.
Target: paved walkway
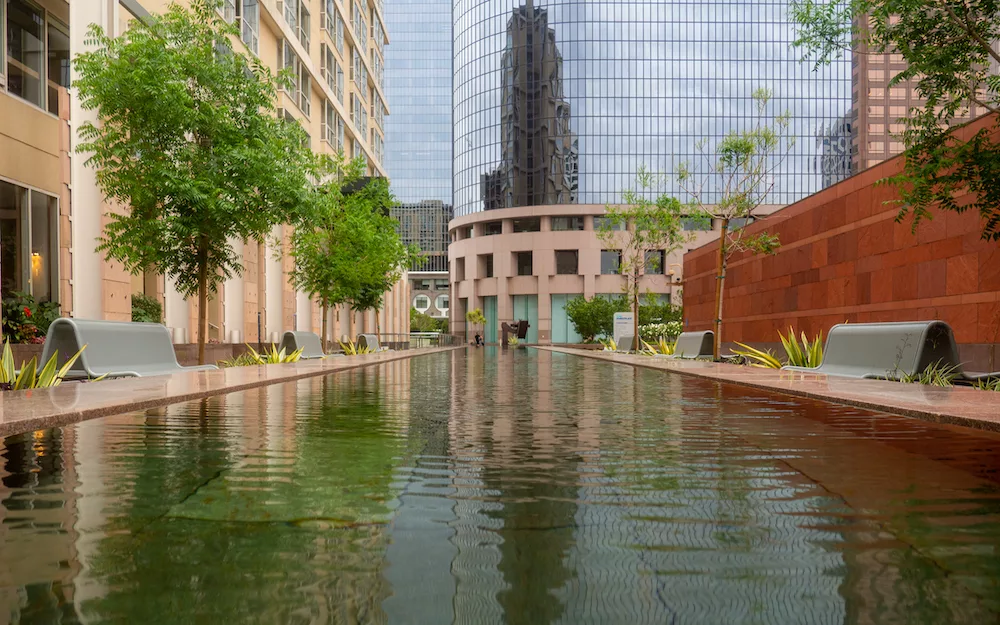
<point>955,405</point>
<point>71,402</point>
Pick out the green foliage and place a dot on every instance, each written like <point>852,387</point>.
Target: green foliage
<point>476,317</point>
<point>936,374</point>
<point>251,357</point>
<point>420,322</point>
<point>512,341</point>
<point>594,317</point>
<point>654,332</point>
<point>31,376</point>
<point>805,354</point>
<point>992,384</point>
<point>743,166</point>
<point>950,54</point>
<point>798,353</point>
<point>757,357</point>
<point>187,141</point>
<point>638,225</point>
<point>661,346</point>
<point>609,344</point>
<point>353,349</point>
<point>346,246</point>
<point>146,309</point>
<point>26,320</point>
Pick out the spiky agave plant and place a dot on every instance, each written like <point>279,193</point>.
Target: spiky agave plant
<point>758,357</point>
<point>805,353</point>
<point>30,376</point>
<point>354,349</point>
<point>935,374</point>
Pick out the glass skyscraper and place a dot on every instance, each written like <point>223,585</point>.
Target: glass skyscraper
<point>561,101</point>
<point>418,130</point>
<point>418,89</point>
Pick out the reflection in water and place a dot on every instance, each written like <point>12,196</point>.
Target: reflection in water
<point>481,487</point>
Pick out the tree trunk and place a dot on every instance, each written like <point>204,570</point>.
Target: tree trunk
<point>202,300</point>
<point>378,333</point>
<point>635,308</point>
<point>323,326</point>
<point>719,285</point>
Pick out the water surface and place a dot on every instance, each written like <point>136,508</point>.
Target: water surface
<point>480,487</point>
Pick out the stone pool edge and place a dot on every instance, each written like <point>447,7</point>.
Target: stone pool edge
<point>957,406</point>
<point>70,403</point>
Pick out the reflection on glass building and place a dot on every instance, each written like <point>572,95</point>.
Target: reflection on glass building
<point>561,101</point>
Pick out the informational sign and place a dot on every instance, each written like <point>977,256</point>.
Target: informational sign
<point>624,329</point>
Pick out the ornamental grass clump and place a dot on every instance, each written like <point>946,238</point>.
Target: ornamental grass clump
<point>30,376</point>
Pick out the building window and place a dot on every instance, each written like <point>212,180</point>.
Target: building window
<point>29,242</point>
<point>421,303</point>
<point>562,224</point>
<point>441,303</point>
<point>459,269</point>
<point>340,34</point>
<point>739,222</point>
<point>25,51</point>
<point>611,262</point>
<point>486,265</point>
<point>492,227</point>
<point>58,64</point>
<point>606,223</point>
<point>522,260</point>
<point>329,18</point>
<point>360,27</point>
<point>567,262</point>
<point>248,13</point>
<point>699,224</point>
<point>655,261</point>
<point>467,233</point>
<point>330,126</point>
<point>302,89</point>
<point>530,224</point>
<point>297,17</point>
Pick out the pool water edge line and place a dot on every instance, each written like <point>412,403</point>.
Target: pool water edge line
<point>942,418</point>
<point>48,421</point>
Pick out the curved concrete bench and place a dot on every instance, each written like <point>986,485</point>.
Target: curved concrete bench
<point>370,341</point>
<point>695,344</point>
<point>311,346</point>
<point>889,350</point>
<point>117,349</point>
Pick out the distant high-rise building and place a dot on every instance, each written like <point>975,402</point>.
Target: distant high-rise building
<point>425,224</point>
<point>879,110</point>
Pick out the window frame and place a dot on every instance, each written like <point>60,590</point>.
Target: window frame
<point>617,271</point>
<point>576,263</point>
<point>518,255</point>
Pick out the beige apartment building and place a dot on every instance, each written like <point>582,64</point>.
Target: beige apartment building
<point>51,210</point>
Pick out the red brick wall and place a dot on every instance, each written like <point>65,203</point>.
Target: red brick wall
<point>843,258</point>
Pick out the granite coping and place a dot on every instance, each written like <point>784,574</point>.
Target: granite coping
<point>955,405</point>
<point>72,402</point>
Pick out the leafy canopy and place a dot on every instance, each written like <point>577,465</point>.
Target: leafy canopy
<point>951,54</point>
<point>187,142</point>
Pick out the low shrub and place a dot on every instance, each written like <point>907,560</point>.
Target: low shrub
<point>26,320</point>
<point>936,374</point>
<point>654,332</point>
<point>268,357</point>
<point>146,309</point>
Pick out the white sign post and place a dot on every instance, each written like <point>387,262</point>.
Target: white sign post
<point>624,327</point>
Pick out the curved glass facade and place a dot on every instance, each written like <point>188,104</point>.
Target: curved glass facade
<point>561,101</point>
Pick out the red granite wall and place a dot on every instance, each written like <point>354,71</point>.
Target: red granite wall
<point>843,258</point>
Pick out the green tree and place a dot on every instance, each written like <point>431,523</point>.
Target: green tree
<point>324,237</point>
<point>380,256</point>
<point>420,322</point>
<point>951,54</point>
<point>637,226</point>
<point>187,141</point>
<point>742,165</point>
<point>594,317</point>
<point>475,317</point>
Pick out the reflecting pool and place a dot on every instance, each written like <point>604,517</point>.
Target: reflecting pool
<point>486,487</point>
